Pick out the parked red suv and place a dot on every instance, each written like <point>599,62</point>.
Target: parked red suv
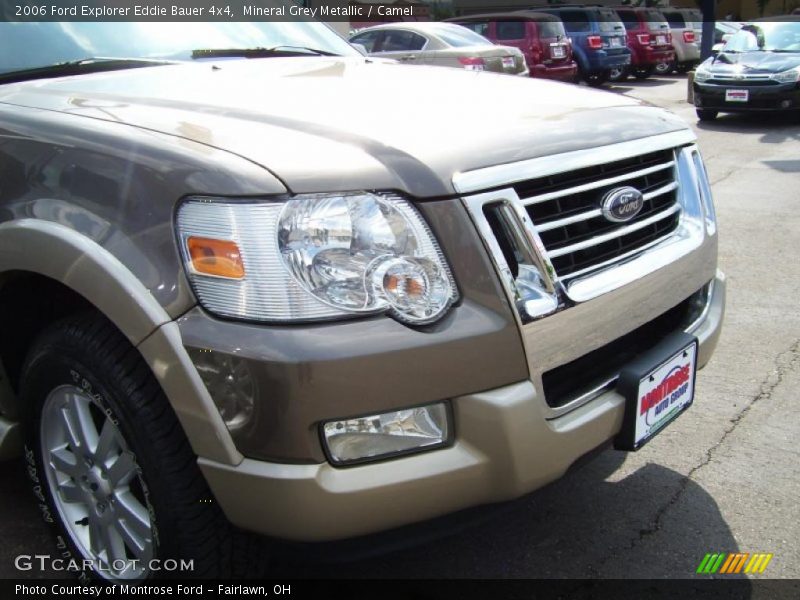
<point>541,37</point>
<point>649,40</point>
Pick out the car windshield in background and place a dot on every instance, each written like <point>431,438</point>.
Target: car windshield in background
<point>770,37</point>
<point>458,36</point>
<point>33,45</point>
<point>655,20</point>
<point>551,29</point>
<point>610,21</point>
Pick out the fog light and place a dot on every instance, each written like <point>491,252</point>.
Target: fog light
<point>786,103</point>
<point>388,434</point>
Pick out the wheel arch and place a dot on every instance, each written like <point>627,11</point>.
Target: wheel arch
<point>39,257</point>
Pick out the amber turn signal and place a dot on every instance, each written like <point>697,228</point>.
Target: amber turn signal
<point>219,258</point>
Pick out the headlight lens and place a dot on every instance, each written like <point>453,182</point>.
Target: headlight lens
<point>790,76</point>
<point>702,74</point>
<point>315,257</point>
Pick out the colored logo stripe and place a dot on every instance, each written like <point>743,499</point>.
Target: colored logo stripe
<point>731,563</point>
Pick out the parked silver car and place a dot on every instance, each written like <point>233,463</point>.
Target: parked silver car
<point>440,44</point>
<point>686,26</point>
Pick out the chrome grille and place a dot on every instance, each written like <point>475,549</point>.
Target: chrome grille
<point>566,213</point>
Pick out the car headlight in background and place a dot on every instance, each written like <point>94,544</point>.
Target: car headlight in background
<point>790,76</point>
<point>314,257</point>
<point>701,74</point>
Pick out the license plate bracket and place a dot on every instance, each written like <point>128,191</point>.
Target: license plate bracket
<point>658,387</point>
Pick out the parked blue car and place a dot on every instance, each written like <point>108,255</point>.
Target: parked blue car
<point>598,40</point>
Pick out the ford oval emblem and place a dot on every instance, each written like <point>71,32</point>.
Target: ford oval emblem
<point>622,204</point>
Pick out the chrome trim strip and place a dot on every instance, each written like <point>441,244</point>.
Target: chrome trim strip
<point>596,184</point>
<point>584,216</point>
<point>509,173</point>
<point>617,259</point>
<point>611,235</point>
<point>662,190</point>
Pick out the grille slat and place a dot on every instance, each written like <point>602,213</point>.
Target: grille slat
<point>595,184</point>
<point>565,209</point>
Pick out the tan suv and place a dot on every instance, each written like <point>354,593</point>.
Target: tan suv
<point>276,295</point>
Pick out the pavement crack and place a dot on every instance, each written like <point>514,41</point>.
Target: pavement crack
<point>784,363</point>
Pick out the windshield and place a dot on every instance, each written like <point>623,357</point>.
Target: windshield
<point>32,45</point>
<point>655,20</point>
<point>458,36</point>
<point>780,37</point>
<point>551,29</point>
<point>610,21</point>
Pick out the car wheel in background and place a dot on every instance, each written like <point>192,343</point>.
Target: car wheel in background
<point>596,79</point>
<point>643,72</point>
<point>706,114</point>
<point>684,67</point>
<point>618,74</point>
<point>664,68</point>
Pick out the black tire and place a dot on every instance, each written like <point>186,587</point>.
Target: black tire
<point>706,114</point>
<point>684,67</point>
<point>643,72</point>
<point>87,353</point>
<point>596,79</point>
<point>618,75</point>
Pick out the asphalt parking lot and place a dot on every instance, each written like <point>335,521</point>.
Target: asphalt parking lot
<point>723,478</point>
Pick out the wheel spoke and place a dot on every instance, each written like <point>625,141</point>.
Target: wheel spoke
<point>71,493</point>
<point>66,462</point>
<point>115,545</point>
<point>133,524</point>
<point>122,470</point>
<point>80,427</point>
<point>107,443</point>
<point>97,542</point>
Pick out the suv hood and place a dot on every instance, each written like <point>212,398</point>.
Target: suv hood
<point>333,124</point>
<point>754,62</point>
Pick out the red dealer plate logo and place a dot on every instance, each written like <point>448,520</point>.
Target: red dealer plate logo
<point>664,393</point>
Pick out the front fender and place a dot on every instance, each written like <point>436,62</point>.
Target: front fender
<point>64,255</point>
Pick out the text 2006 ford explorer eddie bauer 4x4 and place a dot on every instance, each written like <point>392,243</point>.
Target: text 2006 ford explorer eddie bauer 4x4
<point>282,294</point>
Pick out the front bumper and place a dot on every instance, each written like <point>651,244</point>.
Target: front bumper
<point>507,444</point>
<point>762,98</point>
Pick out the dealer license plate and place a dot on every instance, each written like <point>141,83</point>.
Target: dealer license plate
<point>508,62</point>
<point>661,40</point>
<point>558,51</point>
<point>737,95</point>
<point>615,42</point>
<point>657,395</point>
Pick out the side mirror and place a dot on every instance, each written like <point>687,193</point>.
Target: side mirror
<point>360,47</point>
<point>716,48</point>
<point>726,37</point>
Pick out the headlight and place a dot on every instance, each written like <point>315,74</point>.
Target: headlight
<point>702,74</point>
<point>790,76</point>
<point>314,257</point>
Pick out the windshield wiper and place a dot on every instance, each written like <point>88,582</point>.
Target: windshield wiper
<point>258,52</point>
<point>782,50</point>
<point>94,64</point>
